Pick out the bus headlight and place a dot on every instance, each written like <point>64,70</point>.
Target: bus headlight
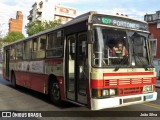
<point>112,91</point>
<point>98,93</point>
<point>108,92</point>
<point>147,88</point>
<point>105,92</point>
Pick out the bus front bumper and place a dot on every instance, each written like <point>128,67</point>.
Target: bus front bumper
<point>97,104</point>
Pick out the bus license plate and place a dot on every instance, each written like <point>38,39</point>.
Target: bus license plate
<point>149,96</point>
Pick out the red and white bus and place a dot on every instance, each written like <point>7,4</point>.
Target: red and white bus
<point>97,60</point>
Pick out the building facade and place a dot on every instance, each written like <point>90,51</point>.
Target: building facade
<point>16,24</point>
<point>49,10</point>
<point>154,28</point>
<point>64,14</point>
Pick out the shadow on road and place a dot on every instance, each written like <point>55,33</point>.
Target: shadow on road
<point>44,97</point>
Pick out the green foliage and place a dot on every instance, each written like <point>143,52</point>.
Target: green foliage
<point>38,26</point>
<point>13,36</point>
<point>1,43</point>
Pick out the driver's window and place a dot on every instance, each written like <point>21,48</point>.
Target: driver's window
<point>139,47</point>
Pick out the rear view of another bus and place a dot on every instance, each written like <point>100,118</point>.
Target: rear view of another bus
<point>122,72</point>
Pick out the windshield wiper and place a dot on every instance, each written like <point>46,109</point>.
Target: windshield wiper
<point>121,63</point>
<point>144,65</point>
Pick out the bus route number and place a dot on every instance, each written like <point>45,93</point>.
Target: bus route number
<point>106,20</point>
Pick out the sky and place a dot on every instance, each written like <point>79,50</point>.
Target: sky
<point>133,8</point>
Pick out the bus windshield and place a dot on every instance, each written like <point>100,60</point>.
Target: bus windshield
<point>111,48</point>
<point>140,52</point>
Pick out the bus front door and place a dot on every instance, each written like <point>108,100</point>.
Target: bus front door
<point>75,70</point>
<point>70,67</point>
<point>7,63</point>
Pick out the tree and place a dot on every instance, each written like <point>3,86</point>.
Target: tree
<point>13,36</point>
<point>38,26</point>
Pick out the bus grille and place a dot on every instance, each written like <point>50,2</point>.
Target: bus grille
<point>132,81</point>
<point>130,91</point>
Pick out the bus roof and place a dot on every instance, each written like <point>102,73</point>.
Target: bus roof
<point>78,19</point>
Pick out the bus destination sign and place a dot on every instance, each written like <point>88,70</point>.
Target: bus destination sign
<point>120,22</point>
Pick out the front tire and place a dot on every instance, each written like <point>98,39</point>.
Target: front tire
<point>54,93</point>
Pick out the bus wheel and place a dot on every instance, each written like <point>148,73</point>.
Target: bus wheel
<point>13,80</point>
<point>54,92</point>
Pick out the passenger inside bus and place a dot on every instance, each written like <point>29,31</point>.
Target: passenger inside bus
<point>119,49</point>
<point>110,48</point>
<point>115,51</point>
<point>115,48</point>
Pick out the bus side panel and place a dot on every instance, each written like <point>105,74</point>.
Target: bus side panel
<point>4,73</point>
<point>19,80</point>
<point>22,78</point>
<point>32,81</point>
<point>55,67</point>
<point>38,82</point>
<point>61,85</point>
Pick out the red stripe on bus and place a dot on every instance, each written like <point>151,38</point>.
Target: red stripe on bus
<point>58,61</point>
<point>100,84</point>
<point>97,83</point>
<point>128,74</point>
<point>154,80</point>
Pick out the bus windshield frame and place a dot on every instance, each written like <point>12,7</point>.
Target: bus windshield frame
<point>114,47</point>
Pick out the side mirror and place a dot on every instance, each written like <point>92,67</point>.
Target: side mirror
<point>90,37</point>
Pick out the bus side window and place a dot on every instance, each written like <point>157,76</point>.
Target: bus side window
<point>12,53</point>
<point>27,50</point>
<point>19,51</point>
<point>55,44</point>
<point>42,42</point>
<point>35,44</point>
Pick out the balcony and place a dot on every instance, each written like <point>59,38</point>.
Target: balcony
<point>65,14</point>
<point>31,11</point>
<point>30,17</point>
<point>39,10</point>
<point>39,18</point>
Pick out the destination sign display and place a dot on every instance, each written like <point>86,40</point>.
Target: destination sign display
<point>119,22</point>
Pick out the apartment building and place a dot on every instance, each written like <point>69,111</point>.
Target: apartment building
<point>16,24</point>
<point>64,14</point>
<point>154,28</point>
<point>49,10</point>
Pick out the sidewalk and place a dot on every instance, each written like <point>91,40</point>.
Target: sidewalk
<point>158,84</point>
